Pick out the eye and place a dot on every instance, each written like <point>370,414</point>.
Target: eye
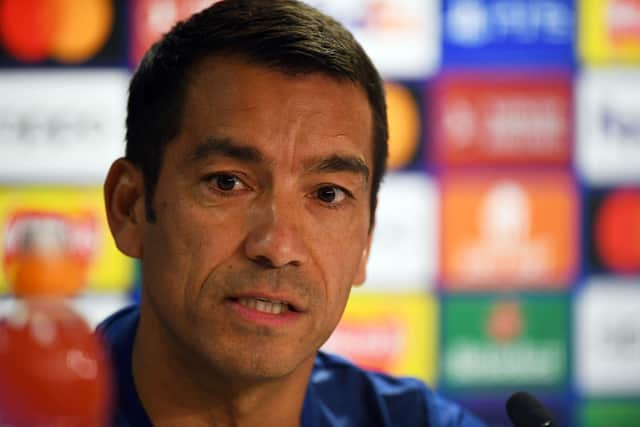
<point>225,182</point>
<point>331,194</point>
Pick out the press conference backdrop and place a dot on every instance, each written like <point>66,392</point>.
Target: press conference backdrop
<point>507,247</point>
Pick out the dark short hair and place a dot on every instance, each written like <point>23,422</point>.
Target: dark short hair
<point>285,35</point>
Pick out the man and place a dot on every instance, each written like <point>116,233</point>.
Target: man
<point>256,142</point>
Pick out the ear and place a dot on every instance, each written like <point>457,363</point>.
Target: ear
<point>124,203</point>
<point>361,274</point>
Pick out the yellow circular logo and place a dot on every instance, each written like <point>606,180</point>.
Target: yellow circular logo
<point>404,125</point>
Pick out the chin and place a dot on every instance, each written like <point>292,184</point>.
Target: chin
<point>268,365</point>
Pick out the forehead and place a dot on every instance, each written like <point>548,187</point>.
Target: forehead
<point>252,104</point>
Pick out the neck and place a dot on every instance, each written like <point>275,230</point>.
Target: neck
<point>177,389</point>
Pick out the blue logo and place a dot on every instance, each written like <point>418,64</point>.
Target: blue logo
<point>508,31</point>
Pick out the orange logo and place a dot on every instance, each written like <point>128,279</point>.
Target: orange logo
<point>65,30</point>
<point>48,253</point>
<point>404,125</point>
<point>516,231</point>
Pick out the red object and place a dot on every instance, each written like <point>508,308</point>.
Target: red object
<point>27,27</point>
<point>53,368</point>
<point>617,231</point>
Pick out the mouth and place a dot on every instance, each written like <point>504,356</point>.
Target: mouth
<point>265,305</point>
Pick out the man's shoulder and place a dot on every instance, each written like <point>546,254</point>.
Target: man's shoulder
<point>342,386</point>
<point>118,331</point>
<point>340,392</point>
<point>330,369</point>
<point>123,320</point>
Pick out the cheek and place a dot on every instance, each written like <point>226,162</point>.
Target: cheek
<point>197,231</point>
<point>339,263</point>
<point>342,246</point>
<point>184,247</point>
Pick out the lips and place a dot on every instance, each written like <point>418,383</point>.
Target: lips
<point>270,304</point>
<point>275,312</point>
<point>264,305</point>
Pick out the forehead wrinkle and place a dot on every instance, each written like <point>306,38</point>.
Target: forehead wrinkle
<point>289,133</point>
<point>293,118</point>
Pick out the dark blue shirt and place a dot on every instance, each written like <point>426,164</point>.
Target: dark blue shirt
<point>339,393</point>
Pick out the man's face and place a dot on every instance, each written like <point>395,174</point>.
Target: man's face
<point>263,220</point>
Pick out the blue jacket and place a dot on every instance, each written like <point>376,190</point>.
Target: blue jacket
<point>339,393</point>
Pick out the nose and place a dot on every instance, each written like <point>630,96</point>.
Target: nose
<point>275,237</point>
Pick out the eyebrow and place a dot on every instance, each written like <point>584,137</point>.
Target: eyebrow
<point>340,163</point>
<point>224,147</point>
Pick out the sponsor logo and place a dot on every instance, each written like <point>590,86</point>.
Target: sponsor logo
<point>505,121</point>
<point>61,231</point>
<point>620,125</point>
<point>623,21</point>
<point>41,127</point>
<point>518,232</point>
<point>505,321</point>
<point>505,344</point>
<point>65,31</point>
<point>614,219</point>
<point>621,340</point>
<point>473,23</point>
<point>401,36</point>
<point>376,344</point>
<point>389,333</point>
<point>404,250</point>
<point>608,126</point>
<point>467,23</point>
<point>48,253</point>
<point>50,233</point>
<point>514,362</point>
<point>609,30</point>
<point>608,337</point>
<point>529,363</point>
<point>152,18</point>
<point>404,125</point>
<point>61,126</point>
